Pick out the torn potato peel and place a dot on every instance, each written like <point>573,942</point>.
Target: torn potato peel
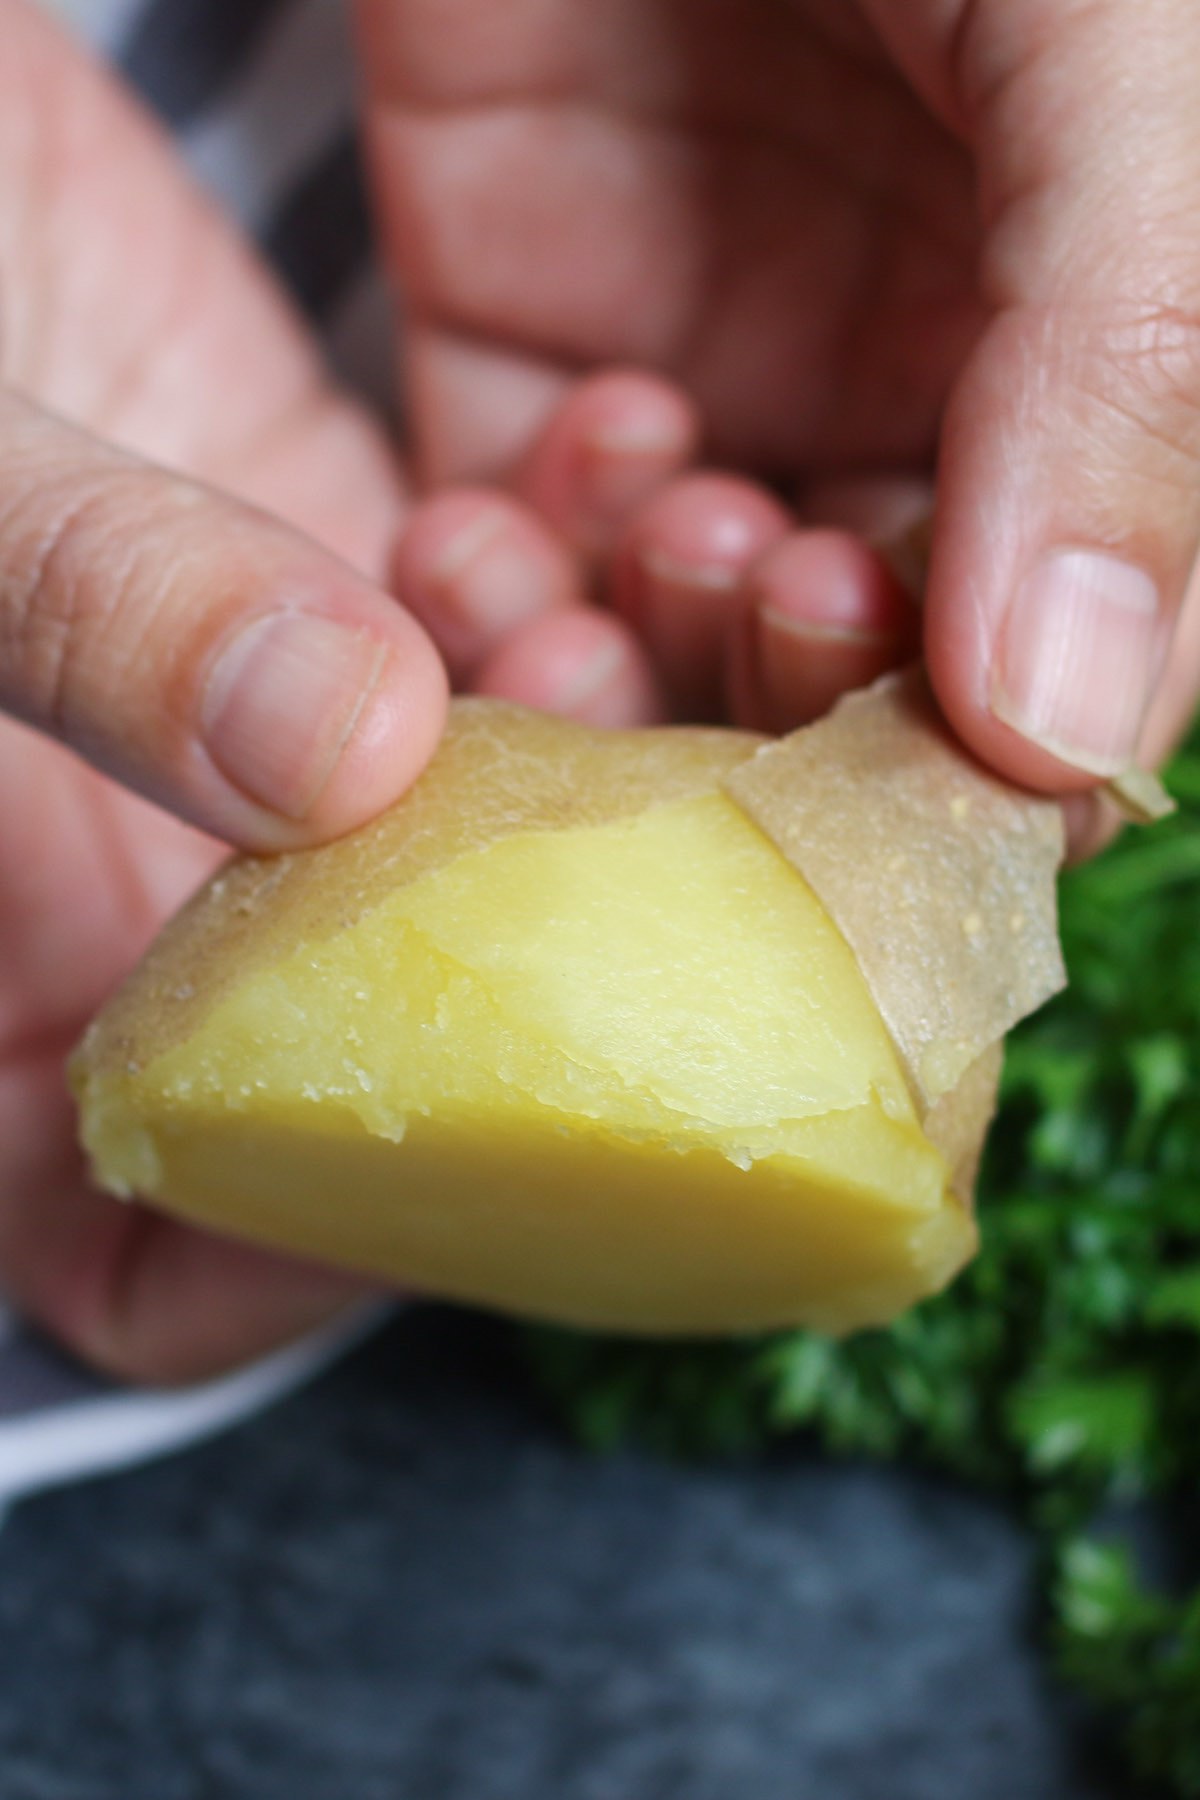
<point>660,1031</point>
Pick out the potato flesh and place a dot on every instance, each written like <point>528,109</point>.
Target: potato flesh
<point>625,1075</point>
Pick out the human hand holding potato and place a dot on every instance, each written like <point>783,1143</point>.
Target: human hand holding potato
<point>1066,510</point>
<point>851,237</point>
<point>133,317</point>
<point>665,1031</point>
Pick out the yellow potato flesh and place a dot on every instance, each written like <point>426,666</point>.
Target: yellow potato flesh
<point>625,1075</point>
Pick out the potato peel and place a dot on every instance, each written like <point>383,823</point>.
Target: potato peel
<point>511,770</point>
<point>941,877</point>
<point>398,1050</point>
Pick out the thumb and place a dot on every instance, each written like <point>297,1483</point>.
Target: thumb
<point>1068,501</point>
<point>197,650</point>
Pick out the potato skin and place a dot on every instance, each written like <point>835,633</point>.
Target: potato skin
<point>499,770</point>
<point>831,810</point>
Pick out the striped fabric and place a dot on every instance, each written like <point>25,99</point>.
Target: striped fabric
<point>259,94</point>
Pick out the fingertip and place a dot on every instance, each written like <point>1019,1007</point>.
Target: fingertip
<point>580,664</point>
<point>826,616</point>
<point>472,566</point>
<point>201,652</point>
<point>959,656</point>
<point>679,573</point>
<point>835,584</point>
<point>313,721</point>
<point>393,736</point>
<point>612,444</point>
<point>1063,540</point>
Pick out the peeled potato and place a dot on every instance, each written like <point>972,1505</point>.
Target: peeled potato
<point>568,1033</point>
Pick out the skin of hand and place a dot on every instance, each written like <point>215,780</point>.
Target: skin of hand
<point>833,242</point>
<point>868,253</point>
<point>166,433</point>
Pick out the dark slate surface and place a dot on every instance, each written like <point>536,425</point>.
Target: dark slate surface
<point>403,1585</point>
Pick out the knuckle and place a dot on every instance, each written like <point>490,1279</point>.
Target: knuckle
<point>1158,344</point>
<point>52,608</point>
<point>83,604</point>
<point>1143,373</point>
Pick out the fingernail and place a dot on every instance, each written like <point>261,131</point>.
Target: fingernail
<point>282,702</point>
<point>667,576</point>
<point>623,464</point>
<point>1077,658</point>
<point>488,580</point>
<point>780,625</point>
<point>677,602</point>
<point>802,666</point>
<point>587,680</point>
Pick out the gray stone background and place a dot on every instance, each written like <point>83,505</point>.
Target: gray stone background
<point>403,1584</point>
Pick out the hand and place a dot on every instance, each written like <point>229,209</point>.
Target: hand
<point>852,236</point>
<point>255,681</point>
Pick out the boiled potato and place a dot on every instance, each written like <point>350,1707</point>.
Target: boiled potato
<point>564,1033</point>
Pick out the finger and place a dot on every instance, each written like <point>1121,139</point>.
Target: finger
<point>136,1294</point>
<point>678,579</point>
<point>891,513</point>
<point>825,615</point>
<point>613,443</point>
<point>475,409</point>
<point>1092,818</point>
<point>1173,708</point>
<point>1068,509</point>
<point>880,509</point>
<point>473,566</point>
<point>1051,604</point>
<point>197,650</point>
<point>134,306</point>
<point>581,664</point>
